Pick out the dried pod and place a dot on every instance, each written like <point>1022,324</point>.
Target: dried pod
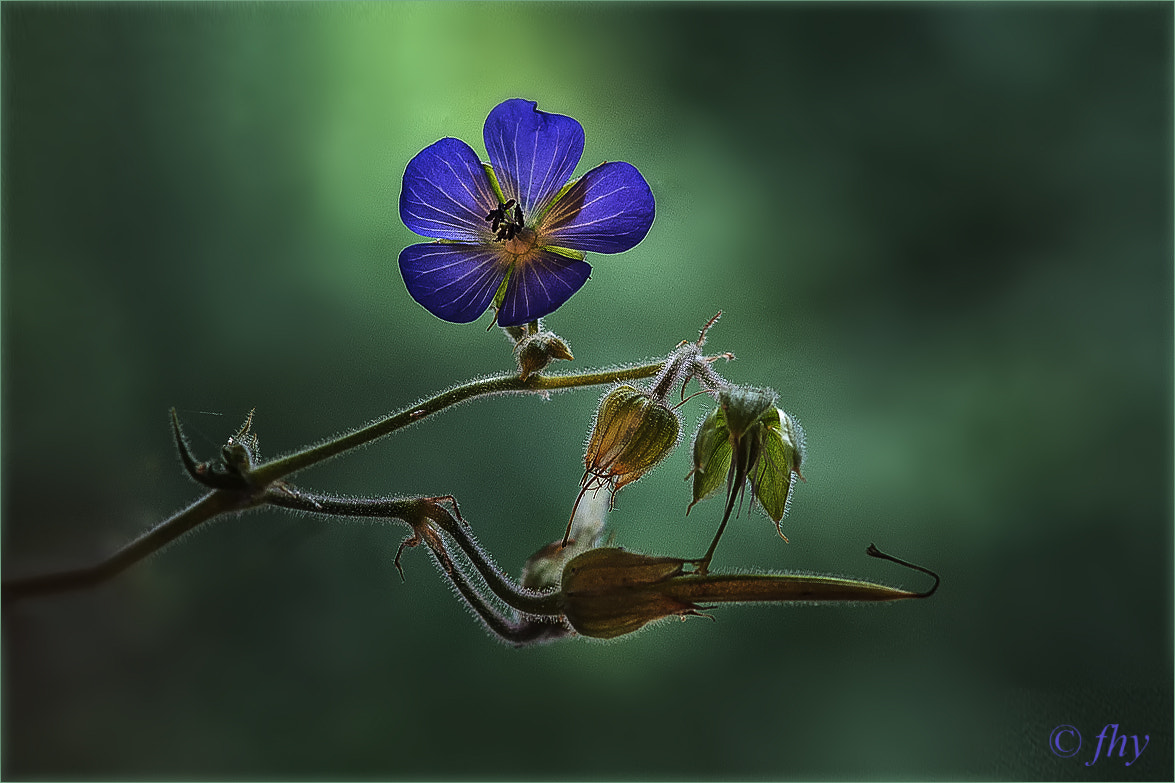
<point>633,431</point>
<point>612,592</point>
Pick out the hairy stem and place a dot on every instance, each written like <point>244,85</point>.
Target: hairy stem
<point>262,478</point>
<point>500,384</point>
<point>418,512</point>
<point>211,505</point>
<point>517,632</point>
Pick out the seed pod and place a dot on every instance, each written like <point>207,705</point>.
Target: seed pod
<point>611,592</point>
<point>633,432</point>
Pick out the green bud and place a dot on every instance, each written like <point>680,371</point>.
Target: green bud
<point>779,458</point>
<point>534,352</point>
<point>744,407</point>
<point>747,440</point>
<point>711,456</point>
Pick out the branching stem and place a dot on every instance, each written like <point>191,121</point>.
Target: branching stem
<point>211,505</point>
<point>261,484</point>
<point>500,384</point>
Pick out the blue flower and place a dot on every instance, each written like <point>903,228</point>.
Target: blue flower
<point>512,234</point>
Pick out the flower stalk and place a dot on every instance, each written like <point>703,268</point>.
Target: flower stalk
<point>238,484</point>
<point>612,592</point>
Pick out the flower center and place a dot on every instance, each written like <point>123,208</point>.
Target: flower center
<point>506,221</point>
<point>521,243</point>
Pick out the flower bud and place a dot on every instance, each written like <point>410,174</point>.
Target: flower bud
<point>744,406</point>
<point>612,592</point>
<point>730,445</point>
<point>633,432</point>
<point>711,456</point>
<point>534,352</point>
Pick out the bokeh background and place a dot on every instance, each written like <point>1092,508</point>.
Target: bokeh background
<point>941,232</point>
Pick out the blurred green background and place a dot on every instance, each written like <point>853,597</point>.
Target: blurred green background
<point>941,232</point>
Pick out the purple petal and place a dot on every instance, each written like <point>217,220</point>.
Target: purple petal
<point>533,152</point>
<point>446,193</point>
<point>540,285</point>
<point>453,282</point>
<point>608,210</point>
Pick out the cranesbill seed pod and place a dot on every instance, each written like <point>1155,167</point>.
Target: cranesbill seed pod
<point>612,592</point>
<point>634,430</point>
<point>607,593</point>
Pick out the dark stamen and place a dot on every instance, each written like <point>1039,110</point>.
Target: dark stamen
<point>504,223</point>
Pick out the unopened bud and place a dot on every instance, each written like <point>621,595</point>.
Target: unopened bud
<point>535,351</point>
<point>744,406</point>
<point>711,456</point>
<point>779,457</point>
<point>766,450</point>
<point>612,592</point>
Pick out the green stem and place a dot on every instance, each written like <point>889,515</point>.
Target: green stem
<point>221,501</point>
<point>211,505</point>
<point>501,384</point>
<point>415,511</point>
<point>530,602</point>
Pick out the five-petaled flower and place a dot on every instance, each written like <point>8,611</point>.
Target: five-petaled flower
<point>513,233</point>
